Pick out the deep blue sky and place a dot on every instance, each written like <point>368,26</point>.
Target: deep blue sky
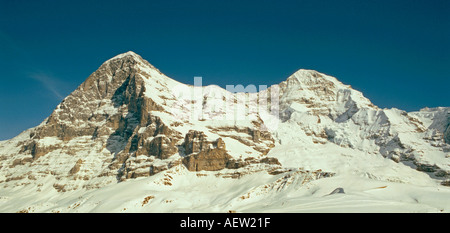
<point>396,52</point>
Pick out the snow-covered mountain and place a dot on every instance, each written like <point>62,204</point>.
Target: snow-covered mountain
<point>130,139</point>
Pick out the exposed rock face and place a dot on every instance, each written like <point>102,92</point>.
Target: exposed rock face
<point>155,139</point>
<point>163,147</point>
<point>109,101</point>
<point>445,183</point>
<point>211,159</point>
<point>78,114</point>
<point>203,154</point>
<point>36,150</point>
<point>195,141</point>
<point>76,168</point>
<point>270,160</point>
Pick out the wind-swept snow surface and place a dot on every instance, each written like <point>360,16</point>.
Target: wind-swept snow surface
<point>294,191</point>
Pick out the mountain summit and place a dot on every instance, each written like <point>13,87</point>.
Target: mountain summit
<point>130,133</point>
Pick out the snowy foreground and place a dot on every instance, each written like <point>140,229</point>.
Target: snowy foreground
<point>192,192</point>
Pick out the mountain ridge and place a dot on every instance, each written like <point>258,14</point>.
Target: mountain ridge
<point>129,121</point>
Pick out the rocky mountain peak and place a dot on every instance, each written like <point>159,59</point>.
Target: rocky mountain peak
<point>122,114</point>
<point>130,56</point>
<point>126,54</point>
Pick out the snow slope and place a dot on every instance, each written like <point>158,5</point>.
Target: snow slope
<point>296,191</point>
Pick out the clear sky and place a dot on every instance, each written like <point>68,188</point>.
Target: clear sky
<point>396,52</point>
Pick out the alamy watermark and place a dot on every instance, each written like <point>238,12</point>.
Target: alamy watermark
<point>230,106</point>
